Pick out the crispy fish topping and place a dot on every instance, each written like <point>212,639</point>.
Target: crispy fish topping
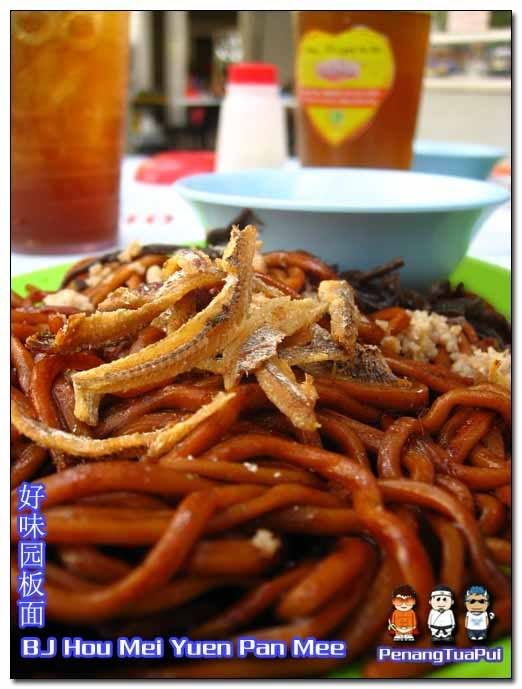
<point>158,442</point>
<point>294,400</point>
<point>344,314</point>
<point>206,333</point>
<point>321,347</point>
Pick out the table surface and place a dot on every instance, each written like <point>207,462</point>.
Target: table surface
<point>156,213</point>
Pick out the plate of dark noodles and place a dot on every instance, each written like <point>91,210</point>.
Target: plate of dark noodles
<point>239,443</point>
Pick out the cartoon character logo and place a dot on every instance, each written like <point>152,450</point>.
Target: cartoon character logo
<point>477,617</point>
<point>441,621</point>
<point>402,623</point>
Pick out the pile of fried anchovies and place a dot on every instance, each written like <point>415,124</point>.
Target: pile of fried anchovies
<point>378,288</point>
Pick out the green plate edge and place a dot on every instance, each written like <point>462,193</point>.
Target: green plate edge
<point>492,283</point>
<point>45,278</point>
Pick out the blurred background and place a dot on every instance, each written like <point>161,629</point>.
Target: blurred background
<point>179,70</point>
<point>179,61</point>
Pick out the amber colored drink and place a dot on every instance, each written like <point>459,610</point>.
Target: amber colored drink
<point>68,100</point>
<point>358,83</point>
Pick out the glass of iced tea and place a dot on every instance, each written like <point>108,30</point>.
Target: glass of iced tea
<point>68,101</point>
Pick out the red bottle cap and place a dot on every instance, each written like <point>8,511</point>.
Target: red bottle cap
<point>252,73</point>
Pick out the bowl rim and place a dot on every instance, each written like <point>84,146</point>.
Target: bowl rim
<point>493,194</point>
<point>457,149</point>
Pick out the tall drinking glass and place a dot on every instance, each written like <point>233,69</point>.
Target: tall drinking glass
<point>68,101</point>
<point>358,82</point>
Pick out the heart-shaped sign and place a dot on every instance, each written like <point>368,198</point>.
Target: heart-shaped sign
<point>342,80</point>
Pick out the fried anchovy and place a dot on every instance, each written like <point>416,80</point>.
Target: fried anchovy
<point>208,332</point>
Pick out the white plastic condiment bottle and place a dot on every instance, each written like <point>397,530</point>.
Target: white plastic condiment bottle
<point>252,125</point>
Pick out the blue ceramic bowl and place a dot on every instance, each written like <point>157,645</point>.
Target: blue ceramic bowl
<point>354,218</point>
<point>460,159</point>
